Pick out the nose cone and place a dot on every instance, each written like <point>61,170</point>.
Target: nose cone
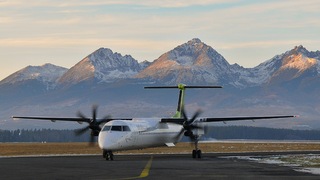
<point>106,141</point>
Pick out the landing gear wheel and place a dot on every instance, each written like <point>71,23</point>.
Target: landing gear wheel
<point>108,155</point>
<point>199,154</point>
<point>104,154</point>
<point>111,156</point>
<point>194,154</point>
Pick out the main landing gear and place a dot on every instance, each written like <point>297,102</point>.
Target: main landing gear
<point>108,155</point>
<point>196,153</point>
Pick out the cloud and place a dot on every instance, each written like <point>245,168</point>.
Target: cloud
<point>180,3</point>
<point>157,26</point>
<point>234,26</point>
<point>266,43</point>
<point>40,43</point>
<point>146,3</point>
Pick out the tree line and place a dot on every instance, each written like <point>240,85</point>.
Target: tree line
<point>246,132</point>
<point>41,135</point>
<point>216,132</point>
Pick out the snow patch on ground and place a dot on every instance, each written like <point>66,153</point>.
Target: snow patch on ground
<point>309,163</point>
<point>310,170</point>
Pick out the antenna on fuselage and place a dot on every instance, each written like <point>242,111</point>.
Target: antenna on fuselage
<point>182,88</point>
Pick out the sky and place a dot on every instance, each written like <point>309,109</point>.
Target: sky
<point>247,32</point>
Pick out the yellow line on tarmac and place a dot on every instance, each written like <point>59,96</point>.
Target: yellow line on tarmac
<point>145,171</point>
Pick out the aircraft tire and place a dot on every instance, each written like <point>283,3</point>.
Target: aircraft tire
<point>111,156</point>
<point>194,154</point>
<point>199,154</point>
<point>104,154</point>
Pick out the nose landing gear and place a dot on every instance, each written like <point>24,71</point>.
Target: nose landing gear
<point>108,155</point>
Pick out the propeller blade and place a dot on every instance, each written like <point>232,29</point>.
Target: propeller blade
<point>194,117</point>
<point>189,125</point>
<point>94,112</point>
<point>195,126</point>
<point>94,125</point>
<point>79,114</point>
<point>81,131</point>
<point>181,132</point>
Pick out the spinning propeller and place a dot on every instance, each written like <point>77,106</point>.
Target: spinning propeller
<point>189,125</point>
<point>94,124</point>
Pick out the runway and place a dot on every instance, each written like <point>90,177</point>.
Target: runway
<point>166,166</point>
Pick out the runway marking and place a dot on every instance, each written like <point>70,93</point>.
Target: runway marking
<point>145,171</point>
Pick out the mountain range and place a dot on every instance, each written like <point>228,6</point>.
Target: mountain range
<point>288,83</point>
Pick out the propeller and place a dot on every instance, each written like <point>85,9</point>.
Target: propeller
<point>188,125</point>
<point>94,124</point>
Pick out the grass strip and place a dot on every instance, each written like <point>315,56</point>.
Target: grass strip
<point>20,149</point>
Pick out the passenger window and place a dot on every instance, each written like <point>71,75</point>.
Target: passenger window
<point>106,128</point>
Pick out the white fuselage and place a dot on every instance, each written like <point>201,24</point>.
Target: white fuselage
<point>139,133</point>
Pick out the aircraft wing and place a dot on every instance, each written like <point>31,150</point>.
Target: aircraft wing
<point>74,119</point>
<point>224,119</point>
<point>242,118</point>
<point>54,119</point>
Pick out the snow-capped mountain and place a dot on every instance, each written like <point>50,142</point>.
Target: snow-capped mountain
<point>286,67</point>
<point>295,64</point>
<point>288,83</point>
<point>46,74</point>
<point>102,66</point>
<point>193,62</point>
<point>281,68</point>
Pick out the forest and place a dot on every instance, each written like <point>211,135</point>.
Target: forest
<point>218,132</point>
<point>260,133</point>
<point>41,135</point>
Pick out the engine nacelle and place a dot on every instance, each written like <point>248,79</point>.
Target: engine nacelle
<point>188,133</point>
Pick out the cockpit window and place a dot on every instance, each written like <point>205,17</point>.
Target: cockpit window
<point>116,128</point>
<point>106,128</point>
<point>126,128</point>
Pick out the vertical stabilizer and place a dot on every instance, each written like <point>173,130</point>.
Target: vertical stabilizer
<point>180,101</point>
<point>182,88</point>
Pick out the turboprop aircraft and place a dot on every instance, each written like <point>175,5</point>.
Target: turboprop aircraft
<point>118,134</point>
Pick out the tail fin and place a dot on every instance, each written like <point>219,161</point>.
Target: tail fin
<point>182,88</point>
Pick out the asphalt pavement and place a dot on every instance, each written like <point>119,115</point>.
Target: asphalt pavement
<point>165,166</point>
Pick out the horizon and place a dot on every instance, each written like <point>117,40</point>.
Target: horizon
<point>63,33</point>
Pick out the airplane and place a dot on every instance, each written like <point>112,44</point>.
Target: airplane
<point>119,134</point>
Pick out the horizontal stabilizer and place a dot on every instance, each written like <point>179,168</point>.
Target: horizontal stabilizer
<point>180,86</point>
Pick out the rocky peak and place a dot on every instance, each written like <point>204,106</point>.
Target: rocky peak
<point>193,62</point>
<point>104,58</point>
<point>299,49</point>
<point>298,58</point>
<point>188,53</point>
<point>47,73</point>
<point>102,65</point>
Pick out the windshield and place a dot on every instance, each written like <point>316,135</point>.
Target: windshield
<point>116,128</point>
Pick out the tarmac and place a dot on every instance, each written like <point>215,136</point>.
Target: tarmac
<point>148,166</point>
